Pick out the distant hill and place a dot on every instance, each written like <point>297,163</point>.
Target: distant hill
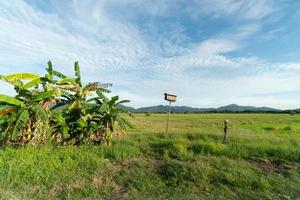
<point>237,108</point>
<point>177,109</point>
<point>182,109</point>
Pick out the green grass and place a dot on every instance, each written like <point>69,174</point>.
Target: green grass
<point>261,161</point>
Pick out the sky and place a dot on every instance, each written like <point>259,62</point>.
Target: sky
<point>209,53</point>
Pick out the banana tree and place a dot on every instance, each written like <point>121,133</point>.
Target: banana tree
<point>72,123</point>
<point>60,106</point>
<point>25,115</point>
<point>108,113</point>
<point>78,121</point>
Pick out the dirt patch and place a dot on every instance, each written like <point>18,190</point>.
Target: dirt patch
<point>273,165</point>
<point>5,194</point>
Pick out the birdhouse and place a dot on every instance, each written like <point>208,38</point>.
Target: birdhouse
<point>170,97</point>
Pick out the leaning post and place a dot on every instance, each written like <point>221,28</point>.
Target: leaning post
<point>169,110</point>
<point>225,131</point>
<point>170,98</point>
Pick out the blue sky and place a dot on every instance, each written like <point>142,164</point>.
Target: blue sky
<point>208,52</point>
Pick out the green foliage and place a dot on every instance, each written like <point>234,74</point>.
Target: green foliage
<point>20,122</point>
<point>21,76</point>
<point>56,106</point>
<point>33,83</point>
<point>77,74</point>
<point>4,99</point>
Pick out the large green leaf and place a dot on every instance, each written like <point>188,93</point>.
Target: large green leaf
<point>104,107</point>
<point>101,95</point>
<point>66,80</point>
<point>49,69</point>
<point>67,87</point>
<point>21,122</point>
<point>21,76</point>
<point>44,95</point>
<point>113,100</point>
<point>16,79</point>
<point>32,83</point>
<point>95,99</point>
<point>77,73</point>
<point>60,123</point>
<point>66,94</point>
<point>40,113</point>
<point>11,100</point>
<point>2,77</point>
<point>123,101</point>
<point>59,74</point>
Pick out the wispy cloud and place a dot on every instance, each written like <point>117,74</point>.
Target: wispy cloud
<point>148,47</point>
<point>240,9</point>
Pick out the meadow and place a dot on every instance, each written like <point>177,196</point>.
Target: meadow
<point>260,161</point>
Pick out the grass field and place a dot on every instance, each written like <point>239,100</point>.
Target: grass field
<point>261,161</point>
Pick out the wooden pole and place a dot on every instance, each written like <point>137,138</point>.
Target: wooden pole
<point>225,131</point>
<point>168,117</point>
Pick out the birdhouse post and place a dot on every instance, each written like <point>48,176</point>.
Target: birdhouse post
<point>170,98</point>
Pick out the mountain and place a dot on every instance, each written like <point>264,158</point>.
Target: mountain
<point>182,109</point>
<point>177,109</point>
<point>237,108</point>
<point>127,108</point>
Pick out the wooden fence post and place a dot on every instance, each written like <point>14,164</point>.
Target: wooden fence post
<point>225,131</point>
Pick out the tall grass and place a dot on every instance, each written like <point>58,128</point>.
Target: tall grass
<point>190,162</point>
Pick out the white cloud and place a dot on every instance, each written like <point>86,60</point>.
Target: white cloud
<point>216,46</point>
<point>206,92</point>
<point>242,9</point>
<point>143,63</point>
<point>114,45</point>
